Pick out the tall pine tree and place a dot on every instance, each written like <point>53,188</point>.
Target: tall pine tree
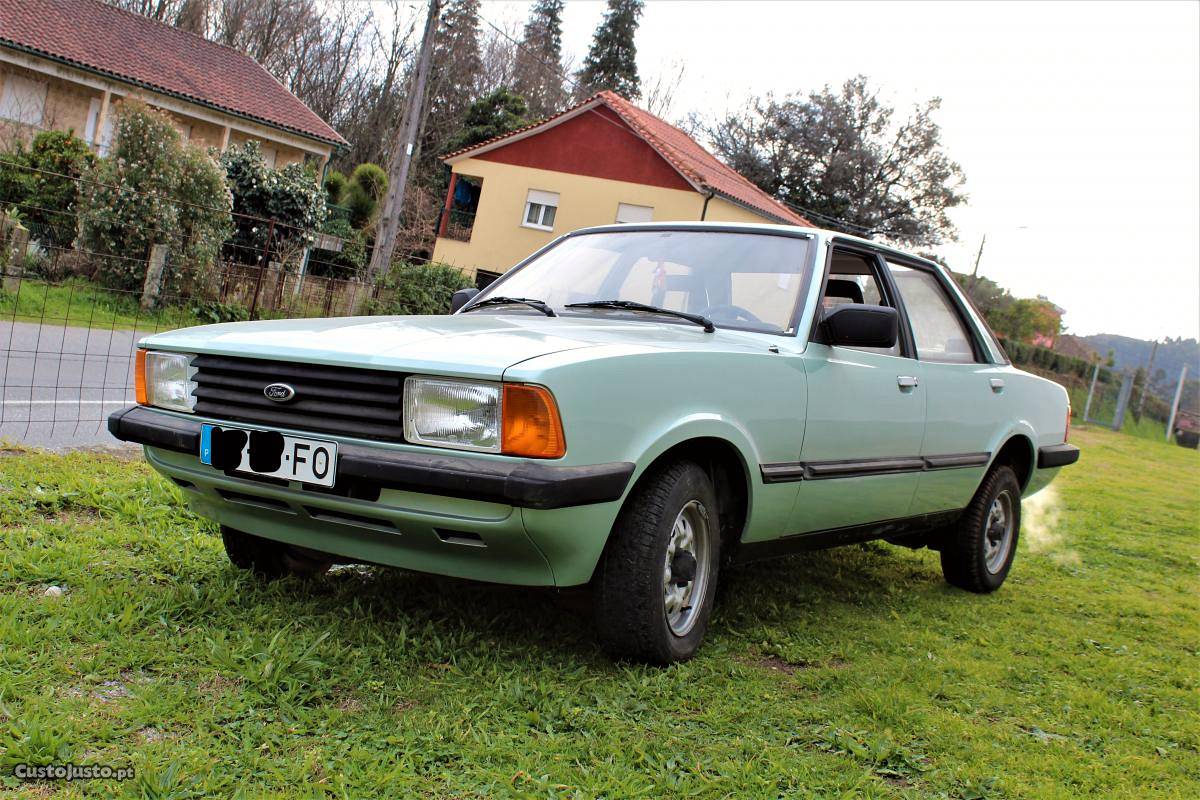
<point>612,61</point>
<point>453,84</point>
<point>539,72</point>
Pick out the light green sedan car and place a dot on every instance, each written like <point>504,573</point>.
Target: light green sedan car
<point>633,407</point>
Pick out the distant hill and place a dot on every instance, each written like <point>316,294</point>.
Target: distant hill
<point>1129,353</point>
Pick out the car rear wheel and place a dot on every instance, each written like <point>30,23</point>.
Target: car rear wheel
<point>657,579</point>
<point>269,559</point>
<point>978,552</point>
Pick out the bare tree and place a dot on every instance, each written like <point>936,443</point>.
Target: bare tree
<point>659,94</point>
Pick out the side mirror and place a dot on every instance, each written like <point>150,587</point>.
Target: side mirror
<point>462,297</point>
<point>856,325</point>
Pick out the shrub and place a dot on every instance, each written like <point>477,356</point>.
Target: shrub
<point>289,196</point>
<point>216,311</point>
<point>372,178</point>
<point>335,184</point>
<point>153,189</point>
<point>361,194</point>
<point>41,183</point>
<point>418,289</point>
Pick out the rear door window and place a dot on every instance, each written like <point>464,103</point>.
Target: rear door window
<point>937,328</point>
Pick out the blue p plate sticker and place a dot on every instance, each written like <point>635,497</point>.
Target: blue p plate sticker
<point>206,444</point>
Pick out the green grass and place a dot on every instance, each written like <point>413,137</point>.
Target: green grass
<point>846,673</point>
<point>81,303</point>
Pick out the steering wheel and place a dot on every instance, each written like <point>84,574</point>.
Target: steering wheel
<point>728,311</point>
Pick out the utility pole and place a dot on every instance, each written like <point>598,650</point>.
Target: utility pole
<point>979,255</point>
<point>402,152</point>
<point>1146,381</point>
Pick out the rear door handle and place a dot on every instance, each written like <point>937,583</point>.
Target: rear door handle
<point>906,381</point>
<point>997,384</point>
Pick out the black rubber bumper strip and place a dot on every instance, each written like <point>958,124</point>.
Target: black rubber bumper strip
<point>1057,455</point>
<point>523,483</point>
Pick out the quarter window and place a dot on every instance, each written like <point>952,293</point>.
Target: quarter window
<point>936,325</point>
<point>540,208</point>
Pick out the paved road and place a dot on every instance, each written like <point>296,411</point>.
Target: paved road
<point>58,384</point>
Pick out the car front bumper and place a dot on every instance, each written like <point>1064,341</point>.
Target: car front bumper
<point>523,484</point>
<point>516,522</point>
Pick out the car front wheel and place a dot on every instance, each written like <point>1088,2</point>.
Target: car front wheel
<point>657,579</point>
<point>269,559</point>
<point>978,552</point>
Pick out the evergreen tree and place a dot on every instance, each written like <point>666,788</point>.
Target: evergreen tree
<point>539,73</point>
<point>453,83</point>
<point>491,116</point>
<point>612,61</point>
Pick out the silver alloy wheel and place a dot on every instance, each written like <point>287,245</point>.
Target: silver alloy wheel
<point>998,533</point>
<point>683,592</point>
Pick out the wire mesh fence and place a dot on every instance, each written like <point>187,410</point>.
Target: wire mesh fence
<point>71,315</point>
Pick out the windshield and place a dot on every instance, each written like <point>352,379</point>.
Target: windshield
<point>749,281</point>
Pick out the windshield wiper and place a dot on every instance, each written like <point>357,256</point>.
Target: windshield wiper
<point>539,305</point>
<point>633,305</point>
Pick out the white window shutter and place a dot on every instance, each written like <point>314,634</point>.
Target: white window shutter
<point>631,213</point>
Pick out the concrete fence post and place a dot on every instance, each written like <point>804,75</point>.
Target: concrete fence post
<point>1087,407</point>
<point>1123,401</point>
<point>152,288</point>
<point>1175,402</point>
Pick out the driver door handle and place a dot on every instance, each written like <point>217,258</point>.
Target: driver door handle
<point>906,381</point>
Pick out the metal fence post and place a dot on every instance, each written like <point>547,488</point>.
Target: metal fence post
<point>1087,407</point>
<point>1175,402</point>
<point>263,261</point>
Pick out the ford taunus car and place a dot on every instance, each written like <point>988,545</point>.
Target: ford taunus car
<point>632,407</point>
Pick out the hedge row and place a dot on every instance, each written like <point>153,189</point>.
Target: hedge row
<point>1031,355</point>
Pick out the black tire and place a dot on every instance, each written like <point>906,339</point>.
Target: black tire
<point>269,559</point>
<point>629,604</point>
<point>965,547</point>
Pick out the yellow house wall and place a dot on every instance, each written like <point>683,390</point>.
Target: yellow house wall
<point>499,241</point>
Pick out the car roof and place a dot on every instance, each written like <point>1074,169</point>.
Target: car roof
<point>751,227</point>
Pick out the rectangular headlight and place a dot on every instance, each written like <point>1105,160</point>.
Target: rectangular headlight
<point>452,413</point>
<point>167,381</point>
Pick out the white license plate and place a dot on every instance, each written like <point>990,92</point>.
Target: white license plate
<point>269,453</point>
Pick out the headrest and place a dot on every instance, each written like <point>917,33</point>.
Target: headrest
<point>843,288</point>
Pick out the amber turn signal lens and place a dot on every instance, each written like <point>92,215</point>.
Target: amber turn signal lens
<point>531,425</point>
<point>139,378</point>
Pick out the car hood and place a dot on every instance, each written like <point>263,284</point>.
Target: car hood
<point>475,344</point>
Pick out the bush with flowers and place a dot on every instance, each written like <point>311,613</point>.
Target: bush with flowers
<point>153,189</point>
<point>290,196</point>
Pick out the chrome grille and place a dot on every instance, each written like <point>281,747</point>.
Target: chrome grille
<point>346,401</point>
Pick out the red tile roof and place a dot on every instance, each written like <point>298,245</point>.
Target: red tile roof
<point>141,51</point>
<point>701,168</point>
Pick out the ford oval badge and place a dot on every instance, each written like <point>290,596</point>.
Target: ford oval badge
<point>279,392</point>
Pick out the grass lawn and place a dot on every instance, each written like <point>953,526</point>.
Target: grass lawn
<point>846,673</point>
<point>80,303</point>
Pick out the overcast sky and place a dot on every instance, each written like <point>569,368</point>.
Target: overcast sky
<point>1077,125</point>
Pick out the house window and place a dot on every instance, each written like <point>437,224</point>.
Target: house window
<point>23,100</point>
<point>540,208</point>
<point>632,213</point>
